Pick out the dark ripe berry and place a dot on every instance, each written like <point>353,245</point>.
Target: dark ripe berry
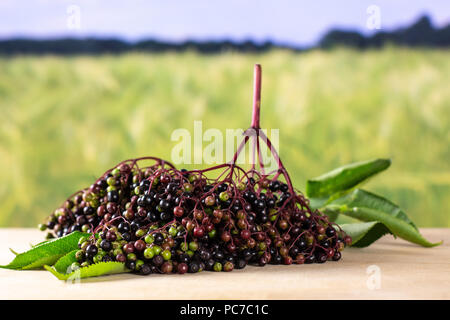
<point>241,263</point>
<point>123,227</point>
<point>193,267</point>
<point>106,245</point>
<point>231,247</point>
<point>296,230</point>
<point>274,186</point>
<point>142,212</point>
<point>321,258</point>
<point>260,204</point>
<point>199,232</point>
<point>113,196</point>
<point>152,216</point>
<point>262,261</point>
<point>219,256</point>
<point>178,211</point>
<point>164,204</point>
<point>284,188</point>
<point>270,203</point>
<point>159,238</point>
<point>336,256</point>
<point>330,232</point>
<point>310,259</point>
<point>128,248</point>
<point>91,250</point>
<point>88,210</point>
<point>165,216</point>
<point>62,219</point>
<point>126,236</point>
<point>145,269</point>
<point>222,187</point>
<point>209,265</point>
<point>107,258</point>
<point>182,268</point>
<point>131,265</point>
<point>245,234</point>
<point>167,267</point>
<point>294,251</point>
<point>301,244</point>
<point>139,245</point>
<point>158,260</point>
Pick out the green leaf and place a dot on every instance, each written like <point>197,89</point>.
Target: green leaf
<point>345,178</point>
<point>46,253</point>
<point>396,226</point>
<point>65,261</point>
<point>365,199</point>
<point>365,233</point>
<point>93,270</point>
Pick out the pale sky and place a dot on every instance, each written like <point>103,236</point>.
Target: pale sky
<point>283,21</point>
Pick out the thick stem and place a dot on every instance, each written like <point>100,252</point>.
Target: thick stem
<point>256,96</point>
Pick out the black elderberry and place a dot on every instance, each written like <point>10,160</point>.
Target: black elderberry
<point>126,236</point>
<point>113,196</point>
<point>159,238</point>
<point>274,186</point>
<point>222,187</point>
<point>330,232</point>
<point>158,260</point>
<point>131,265</point>
<point>91,250</point>
<point>193,267</point>
<point>145,269</point>
<point>123,227</point>
<point>106,245</point>
<point>310,259</point>
<point>88,210</point>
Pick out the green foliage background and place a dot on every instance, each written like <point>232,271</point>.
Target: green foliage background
<point>65,120</point>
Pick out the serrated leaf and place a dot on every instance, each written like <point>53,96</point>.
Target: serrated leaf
<point>365,199</point>
<point>365,233</point>
<point>93,270</point>
<point>63,263</point>
<point>396,226</point>
<point>344,179</point>
<point>46,253</point>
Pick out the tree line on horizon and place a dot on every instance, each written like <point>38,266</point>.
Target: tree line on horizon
<point>421,33</point>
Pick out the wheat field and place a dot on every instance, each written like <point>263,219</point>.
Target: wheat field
<point>65,120</point>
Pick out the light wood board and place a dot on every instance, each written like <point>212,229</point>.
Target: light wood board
<point>389,269</point>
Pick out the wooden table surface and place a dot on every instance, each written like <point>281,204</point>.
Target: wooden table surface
<point>389,269</point>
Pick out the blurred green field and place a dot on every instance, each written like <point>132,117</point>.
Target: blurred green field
<point>64,121</point>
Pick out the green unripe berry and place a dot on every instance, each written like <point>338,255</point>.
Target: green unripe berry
<point>190,253</point>
<point>224,196</point>
<point>173,231</point>
<point>149,253</point>
<point>139,264</point>
<point>79,255</point>
<point>193,245</point>
<point>166,254</point>
<point>117,251</point>
<point>184,246</point>
<point>82,240</point>
<point>156,250</point>
<point>116,172</point>
<point>110,188</point>
<point>42,227</point>
<point>217,266</point>
<point>74,266</point>
<point>131,257</point>
<point>212,233</point>
<point>149,239</point>
<point>140,233</point>
<point>137,190</point>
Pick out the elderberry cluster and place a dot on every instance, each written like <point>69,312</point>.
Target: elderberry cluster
<point>157,219</point>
